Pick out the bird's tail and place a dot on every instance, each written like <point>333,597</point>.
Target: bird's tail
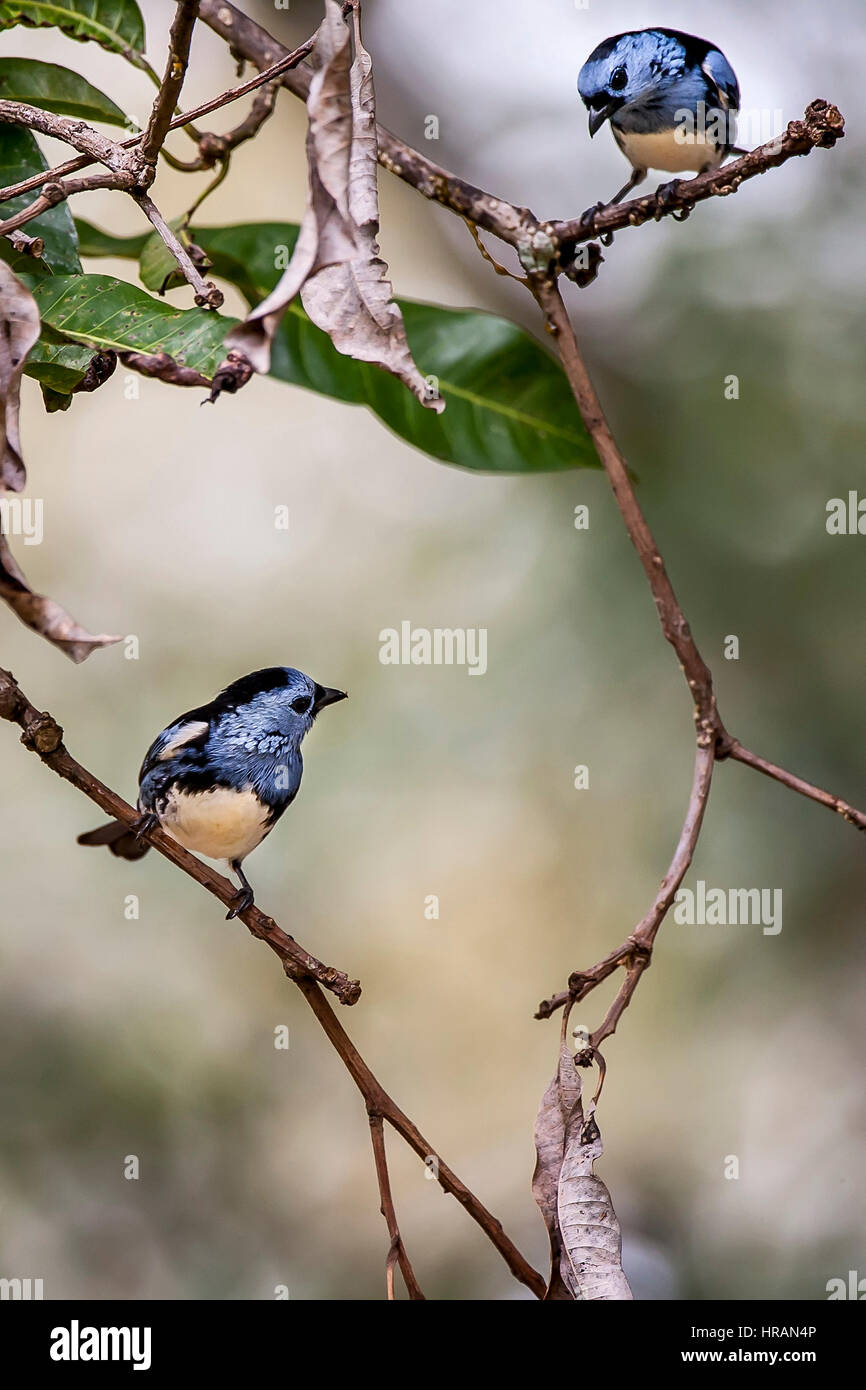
<point>120,840</point>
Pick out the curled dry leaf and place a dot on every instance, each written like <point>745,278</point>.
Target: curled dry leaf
<point>19,330</point>
<point>336,265</point>
<point>585,1238</point>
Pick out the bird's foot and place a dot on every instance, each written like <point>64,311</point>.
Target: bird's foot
<point>587,216</point>
<point>145,823</point>
<point>668,193</point>
<point>586,219</point>
<point>243,899</point>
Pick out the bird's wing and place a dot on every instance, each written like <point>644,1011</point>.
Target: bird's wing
<point>722,79</point>
<point>180,734</point>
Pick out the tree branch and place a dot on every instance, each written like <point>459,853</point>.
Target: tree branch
<point>206,293</point>
<point>166,99</point>
<point>99,148</point>
<point>42,735</point>
<point>732,748</point>
<point>26,245</point>
<point>821,127</point>
<point>396,1252</point>
<point>54,193</point>
<point>671,616</point>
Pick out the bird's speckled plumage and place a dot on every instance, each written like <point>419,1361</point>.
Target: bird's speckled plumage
<point>218,778</point>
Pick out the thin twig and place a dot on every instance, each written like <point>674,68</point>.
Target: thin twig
<point>206,292</point>
<point>26,245</point>
<point>180,38</point>
<point>44,736</point>
<point>100,149</point>
<point>54,193</point>
<point>396,1251</point>
<point>671,616</point>
<point>218,147</point>
<point>732,748</point>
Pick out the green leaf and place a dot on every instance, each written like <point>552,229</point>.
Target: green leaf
<point>20,158</point>
<point>93,241</point>
<point>57,366</point>
<point>114,24</point>
<point>56,89</point>
<point>110,313</point>
<point>509,406</point>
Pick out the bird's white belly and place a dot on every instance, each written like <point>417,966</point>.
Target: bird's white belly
<point>664,150</point>
<point>221,823</point>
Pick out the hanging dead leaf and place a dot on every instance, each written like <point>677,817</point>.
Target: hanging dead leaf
<point>19,330</point>
<point>549,1149</point>
<point>336,265</point>
<point>42,614</point>
<point>585,1238</point>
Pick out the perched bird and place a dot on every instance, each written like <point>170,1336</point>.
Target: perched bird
<point>218,778</point>
<point>671,99</point>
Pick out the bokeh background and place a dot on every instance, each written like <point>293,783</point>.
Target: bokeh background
<point>155,1037</point>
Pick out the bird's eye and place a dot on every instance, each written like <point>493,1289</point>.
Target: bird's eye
<point>301,704</point>
<point>618,79</point>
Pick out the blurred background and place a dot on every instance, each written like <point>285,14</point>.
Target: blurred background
<point>155,1037</point>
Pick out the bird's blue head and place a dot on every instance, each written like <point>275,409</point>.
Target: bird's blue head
<point>630,70</point>
<point>278,700</point>
<point>257,726</point>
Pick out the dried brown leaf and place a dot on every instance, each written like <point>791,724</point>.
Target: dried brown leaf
<point>336,265</point>
<point>585,1238</point>
<point>19,330</point>
<point>42,614</point>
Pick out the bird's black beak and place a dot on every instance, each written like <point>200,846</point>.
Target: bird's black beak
<point>323,696</point>
<point>598,116</point>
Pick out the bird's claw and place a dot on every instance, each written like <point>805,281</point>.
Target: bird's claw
<point>587,216</point>
<point>606,238</point>
<point>145,823</point>
<point>667,193</point>
<point>239,903</point>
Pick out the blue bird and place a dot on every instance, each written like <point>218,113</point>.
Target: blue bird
<point>218,778</point>
<point>671,99</point>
